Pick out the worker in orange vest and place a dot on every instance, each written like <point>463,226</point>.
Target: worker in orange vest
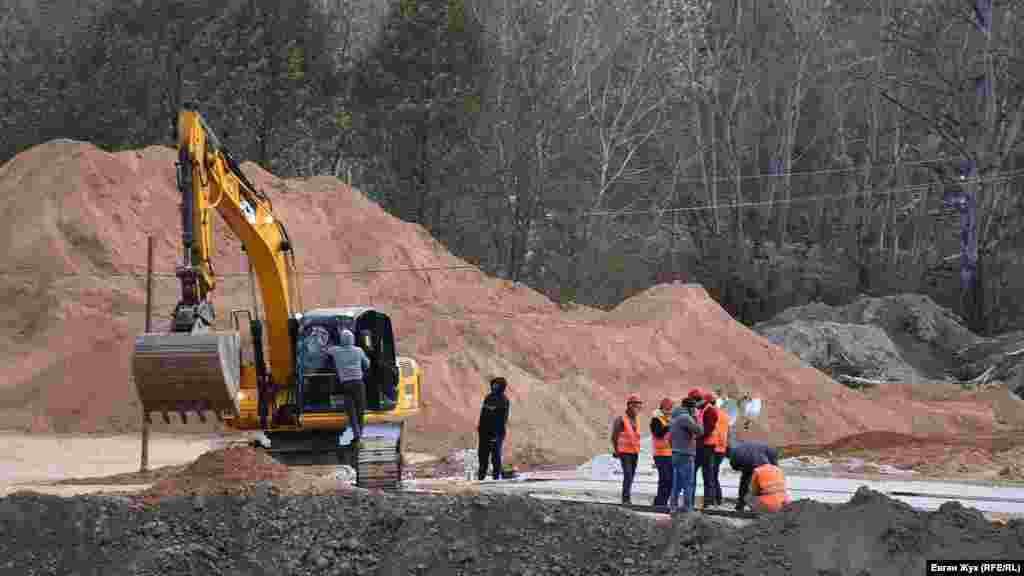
<point>748,457</point>
<point>626,443</point>
<point>767,489</point>
<point>661,448</point>
<point>716,442</point>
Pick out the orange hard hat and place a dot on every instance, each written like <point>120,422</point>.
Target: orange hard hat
<point>633,399</point>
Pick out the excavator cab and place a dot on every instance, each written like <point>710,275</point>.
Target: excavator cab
<point>321,328</point>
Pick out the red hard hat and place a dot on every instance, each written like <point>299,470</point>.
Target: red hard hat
<point>709,397</point>
<point>696,393</point>
<point>634,399</point>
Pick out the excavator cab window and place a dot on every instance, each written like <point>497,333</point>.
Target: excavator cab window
<point>316,367</point>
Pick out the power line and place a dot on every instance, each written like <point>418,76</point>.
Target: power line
<point>1009,176</point>
<point>764,175</point>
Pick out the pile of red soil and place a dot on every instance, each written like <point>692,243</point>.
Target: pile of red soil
<point>960,456</point>
<point>76,220</point>
<point>230,470</point>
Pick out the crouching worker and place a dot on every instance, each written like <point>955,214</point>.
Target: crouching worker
<point>351,363</point>
<point>757,458</point>
<point>767,489</point>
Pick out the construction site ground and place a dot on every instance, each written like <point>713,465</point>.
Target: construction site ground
<point>78,218</point>
<point>234,511</point>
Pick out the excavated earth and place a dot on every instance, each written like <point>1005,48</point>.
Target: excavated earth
<point>266,531</point>
<point>74,221</point>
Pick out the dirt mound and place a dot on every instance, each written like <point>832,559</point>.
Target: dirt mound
<point>267,533</point>
<point>1000,357</point>
<point>365,533</point>
<point>871,534</point>
<point>873,440</point>
<point>224,471</point>
<point>847,349</point>
<point>998,457</point>
<point>927,336</point>
<point>77,218</point>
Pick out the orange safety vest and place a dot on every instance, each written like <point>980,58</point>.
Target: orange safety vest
<point>719,437</point>
<point>662,446</point>
<point>629,438</point>
<point>769,485</point>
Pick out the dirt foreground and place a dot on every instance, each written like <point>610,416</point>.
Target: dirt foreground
<point>268,532</point>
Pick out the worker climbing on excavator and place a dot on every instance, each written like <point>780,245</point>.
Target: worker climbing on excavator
<point>284,377</point>
<point>351,364</point>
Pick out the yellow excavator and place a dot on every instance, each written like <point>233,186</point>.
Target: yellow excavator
<point>273,375</point>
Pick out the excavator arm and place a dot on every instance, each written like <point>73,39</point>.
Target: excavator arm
<point>193,367</point>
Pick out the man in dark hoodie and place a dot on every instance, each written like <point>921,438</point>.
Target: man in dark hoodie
<point>684,429</point>
<point>493,423</point>
<point>745,457</point>
<point>351,364</point>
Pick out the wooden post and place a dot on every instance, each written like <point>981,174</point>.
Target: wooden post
<point>144,466</point>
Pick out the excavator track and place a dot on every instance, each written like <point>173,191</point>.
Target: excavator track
<point>379,457</point>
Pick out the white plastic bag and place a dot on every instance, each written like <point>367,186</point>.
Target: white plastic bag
<point>752,408</point>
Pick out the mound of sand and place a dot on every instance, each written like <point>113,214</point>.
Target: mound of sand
<point>76,219</point>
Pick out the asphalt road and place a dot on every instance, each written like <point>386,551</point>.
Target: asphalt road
<point>924,495</point>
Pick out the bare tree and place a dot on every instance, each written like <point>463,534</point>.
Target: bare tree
<point>961,61</point>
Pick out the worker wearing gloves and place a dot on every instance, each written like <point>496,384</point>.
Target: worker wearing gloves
<point>746,457</point>
<point>661,448</point>
<point>491,428</point>
<point>684,429</point>
<point>351,364</point>
<point>626,444</point>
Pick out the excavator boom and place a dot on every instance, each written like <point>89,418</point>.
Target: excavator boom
<point>192,367</point>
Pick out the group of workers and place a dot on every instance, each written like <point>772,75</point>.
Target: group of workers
<point>686,439</point>
<point>695,437</point>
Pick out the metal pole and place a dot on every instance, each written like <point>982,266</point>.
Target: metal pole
<point>144,465</point>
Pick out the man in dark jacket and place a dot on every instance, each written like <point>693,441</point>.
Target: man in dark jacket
<point>493,423</point>
<point>744,457</point>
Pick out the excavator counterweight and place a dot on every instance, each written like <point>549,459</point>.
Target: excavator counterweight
<point>182,372</point>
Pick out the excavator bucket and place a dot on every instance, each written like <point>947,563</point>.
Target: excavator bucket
<point>183,372</point>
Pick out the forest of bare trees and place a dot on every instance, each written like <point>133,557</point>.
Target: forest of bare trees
<point>777,151</point>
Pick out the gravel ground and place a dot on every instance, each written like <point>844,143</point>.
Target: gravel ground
<point>264,531</point>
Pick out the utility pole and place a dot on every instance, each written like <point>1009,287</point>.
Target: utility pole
<point>144,465</point>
